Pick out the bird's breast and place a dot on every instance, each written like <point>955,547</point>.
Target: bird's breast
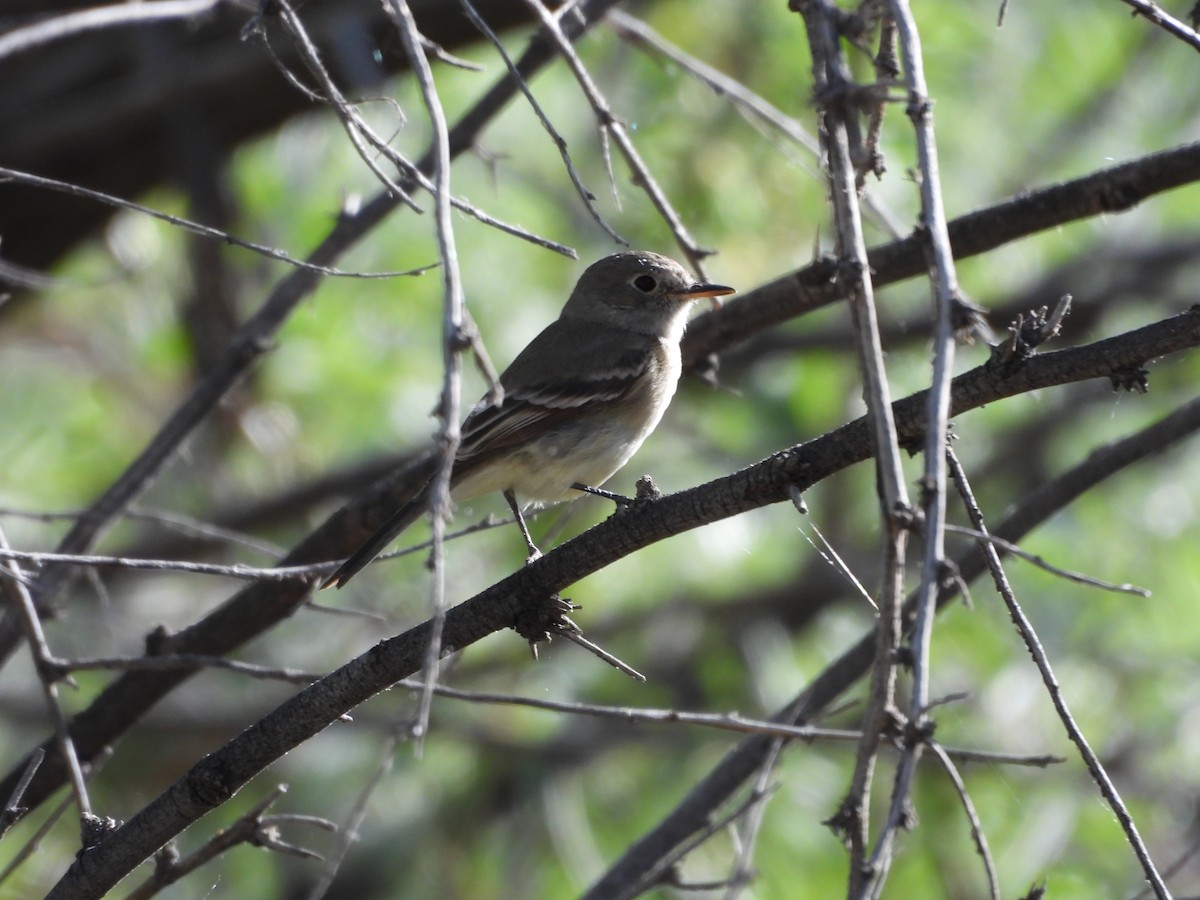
<point>588,448</point>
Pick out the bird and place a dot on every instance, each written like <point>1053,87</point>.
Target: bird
<point>577,402</point>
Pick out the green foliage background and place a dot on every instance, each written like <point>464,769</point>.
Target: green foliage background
<point>511,802</point>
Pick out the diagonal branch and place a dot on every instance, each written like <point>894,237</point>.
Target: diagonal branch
<point>1110,190</point>
<point>933,484</point>
<point>832,84</point>
<point>650,852</point>
<point>221,774</point>
<point>254,338</point>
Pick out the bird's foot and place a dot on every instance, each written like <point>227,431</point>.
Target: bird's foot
<point>620,499</point>
<point>647,492</point>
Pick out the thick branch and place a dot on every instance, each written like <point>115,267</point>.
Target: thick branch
<point>221,774</point>
<point>648,856</point>
<point>1110,190</point>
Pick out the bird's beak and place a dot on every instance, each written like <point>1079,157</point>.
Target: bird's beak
<point>703,289</point>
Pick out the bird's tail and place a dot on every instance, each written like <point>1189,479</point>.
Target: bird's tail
<point>387,532</point>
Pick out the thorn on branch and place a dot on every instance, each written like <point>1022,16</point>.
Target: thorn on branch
<point>95,829</point>
<point>1135,379</point>
<point>844,822</point>
<point>539,623</point>
<point>1027,332</point>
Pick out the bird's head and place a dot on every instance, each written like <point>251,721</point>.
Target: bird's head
<point>638,291</point>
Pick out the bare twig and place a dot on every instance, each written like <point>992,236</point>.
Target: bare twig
<point>747,836</point>
<point>16,594</point>
<point>831,80</point>
<point>348,831</point>
<point>1077,577</point>
<point>1164,20</point>
<point>334,97</point>
<point>13,810</point>
<point>359,131</point>
<point>588,198</point>
<point>981,844</point>
<point>174,521</point>
<point>1025,629</point>
<point>237,570</point>
<point>719,721</point>
<point>611,126</point>
<point>453,325</point>
<point>253,828</point>
<point>715,789</point>
<point>933,484</point>
<point>21,40</point>
<point>185,661</point>
<point>215,234</point>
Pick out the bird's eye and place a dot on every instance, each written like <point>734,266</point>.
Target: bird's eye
<point>645,283</point>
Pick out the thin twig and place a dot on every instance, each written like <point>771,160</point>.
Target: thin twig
<point>337,101</point>
<point>719,721</point>
<point>253,828</point>
<point>237,570</point>
<point>560,143</point>
<point>754,107</point>
<point>453,323</point>
<point>170,661</point>
<point>188,526</point>
<point>747,836</point>
<point>215,234</point>
<point>832,79</point>
<point>1077,577</point>
<point>662,872</point>
<point>615,129</point>
<point>348,831</point>
<point>1165,21</point>
<point>20,601</point>
<point>13,810</point>
<point>977,835</point>
<point>360,130</point>
<point>21,40</point>
<point>1095,768</point>
<point>933,484</point>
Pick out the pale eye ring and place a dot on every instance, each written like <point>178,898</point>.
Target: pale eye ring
<point>645,283</point>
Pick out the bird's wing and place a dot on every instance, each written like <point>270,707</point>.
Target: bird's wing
<point>532,405</point>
